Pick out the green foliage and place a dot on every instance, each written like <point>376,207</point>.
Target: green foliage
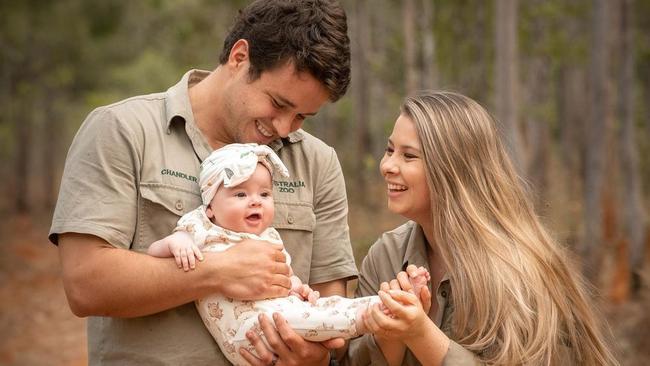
<point>75,55</point>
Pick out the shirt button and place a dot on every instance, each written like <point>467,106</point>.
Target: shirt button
<point>290,219</point>
<point>443,293</point>
<point>179,205</point>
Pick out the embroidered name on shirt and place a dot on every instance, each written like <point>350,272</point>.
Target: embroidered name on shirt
<point>176,174</point>
<point>289,187</point>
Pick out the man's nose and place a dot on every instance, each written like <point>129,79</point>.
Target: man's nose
<point>283,125</point>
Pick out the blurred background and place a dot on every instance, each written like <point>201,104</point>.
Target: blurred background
<point>568,80</point>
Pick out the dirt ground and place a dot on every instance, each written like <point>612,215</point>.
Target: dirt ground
<point>37,327</point>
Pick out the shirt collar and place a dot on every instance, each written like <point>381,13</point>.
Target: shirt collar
<point>416,251</point>
<point>416,248</point>
<point>178,107</point>
<point>293,137</point>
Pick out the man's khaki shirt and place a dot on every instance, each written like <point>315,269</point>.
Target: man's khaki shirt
<point>131,173</point>
<point>391,254</point>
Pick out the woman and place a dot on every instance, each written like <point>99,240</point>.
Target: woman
<point>505,292</point>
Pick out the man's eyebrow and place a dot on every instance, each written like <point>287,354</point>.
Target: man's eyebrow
<point>289,103</point>
<point>284,101</point>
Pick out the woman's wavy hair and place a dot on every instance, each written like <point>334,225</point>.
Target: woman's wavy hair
<point>312,34</point>
<point>516,298</point>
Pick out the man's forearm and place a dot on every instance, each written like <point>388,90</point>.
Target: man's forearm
<point>105,281</point>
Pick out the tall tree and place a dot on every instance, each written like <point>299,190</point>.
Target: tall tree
<point>361,94</point>
<point>507,75</point>
<point>596,133</point>
<point>410,51</point>
<point>428,77</point>
<point>633,211</point>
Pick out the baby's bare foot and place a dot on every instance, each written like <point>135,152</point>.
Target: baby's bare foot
<point>419,278</point>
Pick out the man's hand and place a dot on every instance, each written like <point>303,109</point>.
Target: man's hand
<point>288,347</point>
<point>253,270</point>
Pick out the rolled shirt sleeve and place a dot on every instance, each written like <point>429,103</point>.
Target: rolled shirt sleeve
<point>98,193</point>
<point>332,252</point>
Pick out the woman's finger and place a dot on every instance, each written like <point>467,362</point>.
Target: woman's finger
<point>369,320</point>
<point>405,282</point>
<point>382,321</point>
<point>394,285</point>
<point>384,286</point>
<point>395,301</point>
<point>425,299</point>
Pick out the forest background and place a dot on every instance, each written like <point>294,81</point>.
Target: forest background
<point>568,80</point>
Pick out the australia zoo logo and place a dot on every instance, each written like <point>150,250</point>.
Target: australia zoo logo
<point>288,187</point>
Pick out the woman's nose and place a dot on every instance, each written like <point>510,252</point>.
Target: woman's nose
<point>387,165</point>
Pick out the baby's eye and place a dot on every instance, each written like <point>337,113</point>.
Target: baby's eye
<point>266,194</point>
<point>240,194</point>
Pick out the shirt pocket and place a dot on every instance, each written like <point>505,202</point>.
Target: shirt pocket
<point>160,207</point>
<point>296,221</point>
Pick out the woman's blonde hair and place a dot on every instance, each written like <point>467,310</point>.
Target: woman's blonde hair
<point>516,299</point>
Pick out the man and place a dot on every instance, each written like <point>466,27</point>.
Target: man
<point>132,170</point>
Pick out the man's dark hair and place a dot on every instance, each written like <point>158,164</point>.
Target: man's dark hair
<point>312,34</point>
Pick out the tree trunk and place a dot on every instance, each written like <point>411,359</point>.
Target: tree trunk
<point>50,152</point>
<point>596,133</point>
<point>22,157</point>
<point>506,76</point>
<point>633,212</point>
<point>408,23</point>
<point>361,96</point>
<point>428,78</point>
<point>537,130</point>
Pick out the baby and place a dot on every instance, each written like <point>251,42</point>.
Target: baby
<point>236,189</point>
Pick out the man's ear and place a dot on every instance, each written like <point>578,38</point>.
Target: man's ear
<point>238,53</point>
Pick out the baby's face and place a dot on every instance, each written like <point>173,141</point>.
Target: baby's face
<point>247,207</point>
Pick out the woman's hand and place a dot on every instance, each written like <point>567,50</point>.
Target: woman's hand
<point>404,312</point>
<point>407,319</point>
<point>393,350</point>
<point>408,322</point>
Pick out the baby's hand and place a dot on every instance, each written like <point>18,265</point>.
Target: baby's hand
<point>304,292</point>
<point>184,250</point>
